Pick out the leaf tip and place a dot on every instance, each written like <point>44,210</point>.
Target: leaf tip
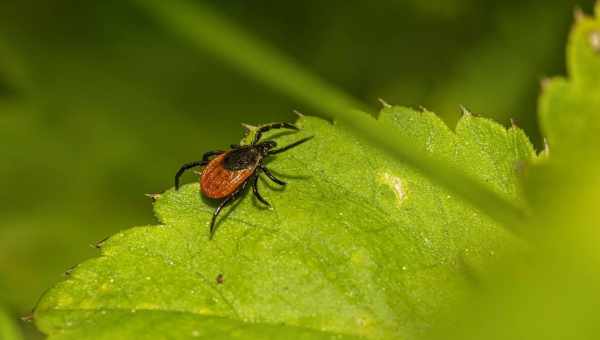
<point>300,117</point>
<point>464,111</point>
<point>249,127</point>
<point>100,244</point>
<point>69,270</point>
<point>545,83</point>
<point>546,150</point>
<point>383,103</point>
<point>578,14</point>
<point>28,318</point>
<point>153,197</point>
<point>513,123</point>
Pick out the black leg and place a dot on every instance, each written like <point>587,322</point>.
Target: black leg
<point>229,199</point>
<point>287,147</point>
<point>271,176</point>
<point>256,193</point>
<point>216,213</point>
<point>268,127</point>
<point>235,146</point>
<point>187,166</point>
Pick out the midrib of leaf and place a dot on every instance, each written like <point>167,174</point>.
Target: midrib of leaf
<point>207,31</point>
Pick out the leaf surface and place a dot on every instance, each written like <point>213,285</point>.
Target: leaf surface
<point>358,244</point>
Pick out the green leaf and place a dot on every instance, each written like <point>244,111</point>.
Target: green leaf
<point>8,327</point>
<point>552,291</point>
<point>564,189</point>
<point>569,107</point>
<point>358,244</point>
<point>206,30</point>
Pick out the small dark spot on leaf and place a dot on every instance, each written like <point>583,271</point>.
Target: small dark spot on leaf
<point>220,279</point>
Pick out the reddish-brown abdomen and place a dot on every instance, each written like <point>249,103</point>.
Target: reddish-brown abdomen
<point>218,182</point>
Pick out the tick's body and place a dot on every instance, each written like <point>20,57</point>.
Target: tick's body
<point>225,176</point>
<point>218,181</point>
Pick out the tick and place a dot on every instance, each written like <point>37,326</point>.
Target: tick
<point>227,173</point>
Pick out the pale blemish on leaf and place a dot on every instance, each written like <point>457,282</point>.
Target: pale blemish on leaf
<point>396,184</point>
<point>595,41</point>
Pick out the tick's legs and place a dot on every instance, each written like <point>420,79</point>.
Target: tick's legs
<point>187,166</point>
<point>271,176</point>
<point>271,126</point>
<point>216,213</point>
<point>229,199</point>
<point>256,193</point>
<point>287,147</point>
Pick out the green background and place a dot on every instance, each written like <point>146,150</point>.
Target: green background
<point>99,104</point>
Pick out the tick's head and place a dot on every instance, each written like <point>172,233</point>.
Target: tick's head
<point>264,147</point>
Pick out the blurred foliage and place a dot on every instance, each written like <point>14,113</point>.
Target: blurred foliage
<point>98,105</point>
<point>8,327</point>
<point>551,292</point>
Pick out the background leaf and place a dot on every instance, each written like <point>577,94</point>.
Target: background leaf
<point>357,244</point>
<point>551,291</point>
<point>8,327</point>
